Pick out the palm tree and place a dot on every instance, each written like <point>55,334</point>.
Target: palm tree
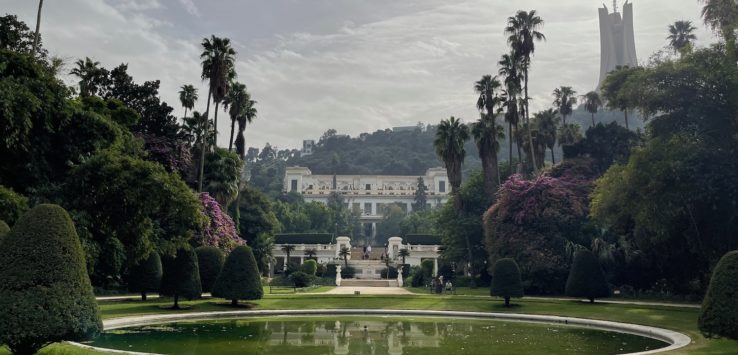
<point>522,30</point>
<point>194,128</point>
<point>722,17</point>
<point>681,36</point>
<point>403,253</point>
<point>564,100</point>
<point>187,97</point>
<point>547,122</point>
<point>569,134</point>
<point>484,130</point>
<point>451,135</point>
<point>288,249</point>
<point>248,115</point>
<point>223,176</point>
<point>486,133</point>
<point>89,74</point>
<point>311,253</point>
<point>510,69</point>
<point>344,253</point>
<point>592,103</point>
<point>235,102</point>
<point>38,28</point>
<point>217,67</point>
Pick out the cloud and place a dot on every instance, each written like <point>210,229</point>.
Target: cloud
<point>190,7</point>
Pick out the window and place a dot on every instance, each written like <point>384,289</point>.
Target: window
<point>367,208</point>
<point>441,186</point>
<point>368,187</point>
<point>294,185</point>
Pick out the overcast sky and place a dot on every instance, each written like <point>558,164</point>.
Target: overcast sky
<point>353,65</point>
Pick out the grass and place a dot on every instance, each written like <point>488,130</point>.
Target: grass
<point>675,318</point>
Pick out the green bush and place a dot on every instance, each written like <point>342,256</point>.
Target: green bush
<point>181,277</point>
<point>210,260</point>
<point>4,229</point>
<point>392,273</point>
<point>586,278</point>
<point>301,279</point>
<point>719,315</point>
<point>309,267</point>
<point>427,267</point>
<point>12,205</point>
<point>321,270</point>
<point>45,293</point>
<point>239,279</point>
<point>506,280</point>
<point>348,272</point>
<point>416,278</point>
<point>146,276</point>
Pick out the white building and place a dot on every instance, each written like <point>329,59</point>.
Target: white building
<point>307,147</point>
<point>368,193</point>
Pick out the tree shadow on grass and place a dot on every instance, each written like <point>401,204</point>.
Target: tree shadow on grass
<point>236,306</point>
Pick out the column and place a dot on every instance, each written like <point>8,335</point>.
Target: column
<point>302,260</point>
<point>409,207</point>
<point>435,267</point>
<point>374,208</point>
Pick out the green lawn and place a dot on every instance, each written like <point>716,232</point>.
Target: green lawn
<point>679,319</point>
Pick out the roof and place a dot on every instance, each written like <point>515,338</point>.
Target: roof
<point>422,239</point>
<point>303,238</point>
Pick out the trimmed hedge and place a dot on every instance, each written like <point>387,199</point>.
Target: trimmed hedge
<point>45,293</point>
<point>4,230</point>
<point>181,277</point>
<point>239,279</point>
<point>719,314</point>
<point>586,278</point>
<point>146,276</point>
<point>506,281</point>
<point>309,267</point>
<point>210,261</point>
<point>301,279</point>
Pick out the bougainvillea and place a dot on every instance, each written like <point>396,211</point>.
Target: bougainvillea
<point>539,224</point>
<point>220,231</point>
<point>172,154</point>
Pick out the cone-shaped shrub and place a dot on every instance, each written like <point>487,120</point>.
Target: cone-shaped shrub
<point>506,280</point>
<point>146,276</point>
<point>4,229</point>
<point>210,259</point>
<point>719,315</point>
<point>586,278</point>
<point>239,279</point>
<point>45,293</point>
<point>181,277</point>
<point>309,267</point>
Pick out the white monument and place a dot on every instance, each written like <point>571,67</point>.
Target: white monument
<point>617,39</point>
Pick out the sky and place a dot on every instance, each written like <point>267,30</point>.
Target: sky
<point>351,65</point>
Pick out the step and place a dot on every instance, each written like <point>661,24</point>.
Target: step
<point>369,283</point>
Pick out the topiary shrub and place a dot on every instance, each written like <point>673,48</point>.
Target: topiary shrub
<point>12,205</point>
<point>506,280</point>
<point>392,273</point>
<point>348,272</point>
<point>301,279</point>
<point>4,229</point>
<point>239,279</point>
<point>181,277</point>
<point>719,314</point>
<point>210,260</point>
<point>309,267</point>
<point>586,278</point>
<point>146,276</point>
<point>45,293</point>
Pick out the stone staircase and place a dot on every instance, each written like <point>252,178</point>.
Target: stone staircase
<point>357,253</point>
<point>368,283</point>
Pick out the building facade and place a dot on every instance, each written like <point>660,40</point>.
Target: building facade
<point>368,193</point>
<point>617,39</point>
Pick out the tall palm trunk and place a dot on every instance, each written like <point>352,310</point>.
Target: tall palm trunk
<point>626,119</point>
<point>564,119</point>
<point>233,128</point>
<point>517,144</point>
<point>38,28</point>
<point>203,142</point>
<point>491,172</point>
<point>510,139</point>
<point>527,120</point>
<point>593,119</point>
<point>215,122</point>
<point>553,158</point>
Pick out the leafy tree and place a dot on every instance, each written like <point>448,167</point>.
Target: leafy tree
<point>506,280</point>
<point>605,145</point>
<point>592,103</point>
<point>45,294</point>
<point>569,134</point>
<point>586,278</point>
<point>722,17</point>
<point>564,99</point>
<point>421,196</point>
<point>222,176</point>
<point>240,278</point>
<point>617,93</point>
<point>12,205</point>
<point>309,267</point>
<point>219,231</point>
<point>389,226</point>
<point>256,216</point>
<point>4,230</point>
<point>420,222</point>
<point>145,276</point>
<point>181,276</point>
<point>187,97</point>
<point>210,262</point>
<point>681,36</point>
<point>523,32</point>
<point>15,35</point>
<point>720,306</point>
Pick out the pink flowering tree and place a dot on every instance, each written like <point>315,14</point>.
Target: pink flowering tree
<point>220,231</point>
<point>539,223</point>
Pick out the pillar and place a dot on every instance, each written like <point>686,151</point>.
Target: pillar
<point>435,266</point>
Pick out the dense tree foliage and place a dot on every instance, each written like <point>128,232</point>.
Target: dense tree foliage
<point>219,231</point>
<point>4,230</point>
<point>210,262</point>
<point>181,276</point>
<point>586,278</point>
<point>12,205</point>
<point>45,294</point>
<point>240,278</point>
<point>506,280</point>
<point>719,315</point>
<point>145,276</point>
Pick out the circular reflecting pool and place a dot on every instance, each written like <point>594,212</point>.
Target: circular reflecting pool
<point>369,335</point>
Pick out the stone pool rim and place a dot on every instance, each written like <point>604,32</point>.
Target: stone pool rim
<point>676,340</point>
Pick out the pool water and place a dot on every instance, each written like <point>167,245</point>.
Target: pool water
<point>369,335</point>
